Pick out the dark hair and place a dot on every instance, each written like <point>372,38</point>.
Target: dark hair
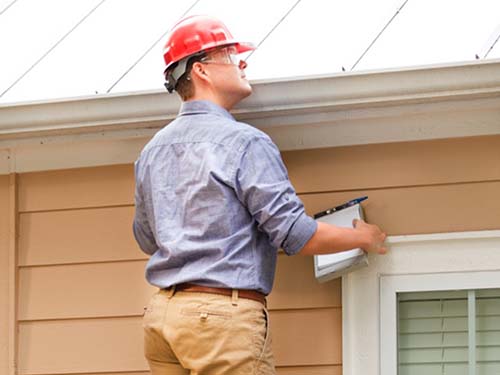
<point>184,85</point>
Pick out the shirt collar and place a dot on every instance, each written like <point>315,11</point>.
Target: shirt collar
<point>196,107</point>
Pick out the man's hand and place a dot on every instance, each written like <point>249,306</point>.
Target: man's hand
<point>373,237</point>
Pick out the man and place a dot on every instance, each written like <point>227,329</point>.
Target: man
<point>213,206</point>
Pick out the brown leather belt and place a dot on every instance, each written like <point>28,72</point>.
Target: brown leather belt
<point>242,293</point>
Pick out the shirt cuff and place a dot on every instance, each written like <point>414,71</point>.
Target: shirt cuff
<point>300,232</point>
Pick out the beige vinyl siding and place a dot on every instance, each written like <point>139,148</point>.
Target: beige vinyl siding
<point>77,188</point>
<point>52,245</point>
<point>390,165</point>
<point>4,273</point>
<point>419,187</point>
<point>426,209</point>
<point>82,287</point>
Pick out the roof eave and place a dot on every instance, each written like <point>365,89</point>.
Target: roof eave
<point>301,112</point>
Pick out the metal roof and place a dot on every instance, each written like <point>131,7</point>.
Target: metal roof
<point>59,49</point>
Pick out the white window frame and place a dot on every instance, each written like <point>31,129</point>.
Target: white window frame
<point>391,285</point>
<point>444,261</point>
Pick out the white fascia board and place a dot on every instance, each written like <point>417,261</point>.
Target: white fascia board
<point>393,86</point>
<point>87,114</point>
<point>286,102</point>
<point>344,109</point>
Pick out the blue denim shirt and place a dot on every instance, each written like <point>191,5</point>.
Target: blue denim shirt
<point>214,203</point>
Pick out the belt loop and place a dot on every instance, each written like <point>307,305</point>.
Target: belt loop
<point>171,292</point>
<point>234,297</point>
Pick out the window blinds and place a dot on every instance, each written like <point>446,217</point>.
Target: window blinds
<point>433,333</point>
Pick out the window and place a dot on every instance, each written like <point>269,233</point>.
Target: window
<point>440,323</point>
<point>449,332</point>
<point>416,267</point>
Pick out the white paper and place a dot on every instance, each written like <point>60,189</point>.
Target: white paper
<point>330,266</point>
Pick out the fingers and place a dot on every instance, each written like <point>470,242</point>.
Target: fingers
<point>356,222</point>
<point>378,239</point>
<point>381,249</point>
<point>376,236</point>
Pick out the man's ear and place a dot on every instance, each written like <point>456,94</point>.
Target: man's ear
<point>198,70</point>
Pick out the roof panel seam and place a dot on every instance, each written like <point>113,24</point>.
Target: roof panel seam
<point>52,48</point>
<point>149,49</point>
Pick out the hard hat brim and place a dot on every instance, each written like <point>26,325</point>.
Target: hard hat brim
<point>241,47</point>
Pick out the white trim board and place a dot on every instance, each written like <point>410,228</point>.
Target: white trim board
<point>54,154</point>
<point>433,102</point>
<point>434,257</point>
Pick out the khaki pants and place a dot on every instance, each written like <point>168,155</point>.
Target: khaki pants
<point>206,334</point>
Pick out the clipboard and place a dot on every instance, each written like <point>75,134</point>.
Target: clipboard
<point>332,266</point>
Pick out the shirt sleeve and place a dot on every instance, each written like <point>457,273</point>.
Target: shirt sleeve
<point>262,185</point>
<point>141,228</point>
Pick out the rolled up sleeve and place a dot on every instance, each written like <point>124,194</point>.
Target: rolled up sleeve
<point>262,185</point>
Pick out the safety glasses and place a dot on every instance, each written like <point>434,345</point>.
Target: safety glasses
<point>223,56</point>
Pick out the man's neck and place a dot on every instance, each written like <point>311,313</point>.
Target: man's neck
<point>212,98</point>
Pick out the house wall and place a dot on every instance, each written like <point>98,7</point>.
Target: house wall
<point>4,273</point>
<point>413,187</point>
<point>81,289</point>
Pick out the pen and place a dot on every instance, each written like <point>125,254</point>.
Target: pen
<point>352,202</point>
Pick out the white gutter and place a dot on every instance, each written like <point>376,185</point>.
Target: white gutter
<point>444,101</point>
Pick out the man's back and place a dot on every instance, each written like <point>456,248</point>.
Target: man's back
<point>208,173</point>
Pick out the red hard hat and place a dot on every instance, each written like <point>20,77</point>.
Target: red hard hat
<point>196,34</point>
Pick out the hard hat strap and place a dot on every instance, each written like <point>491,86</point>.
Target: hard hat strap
<point>180,69</point>
<point>173,76</point>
